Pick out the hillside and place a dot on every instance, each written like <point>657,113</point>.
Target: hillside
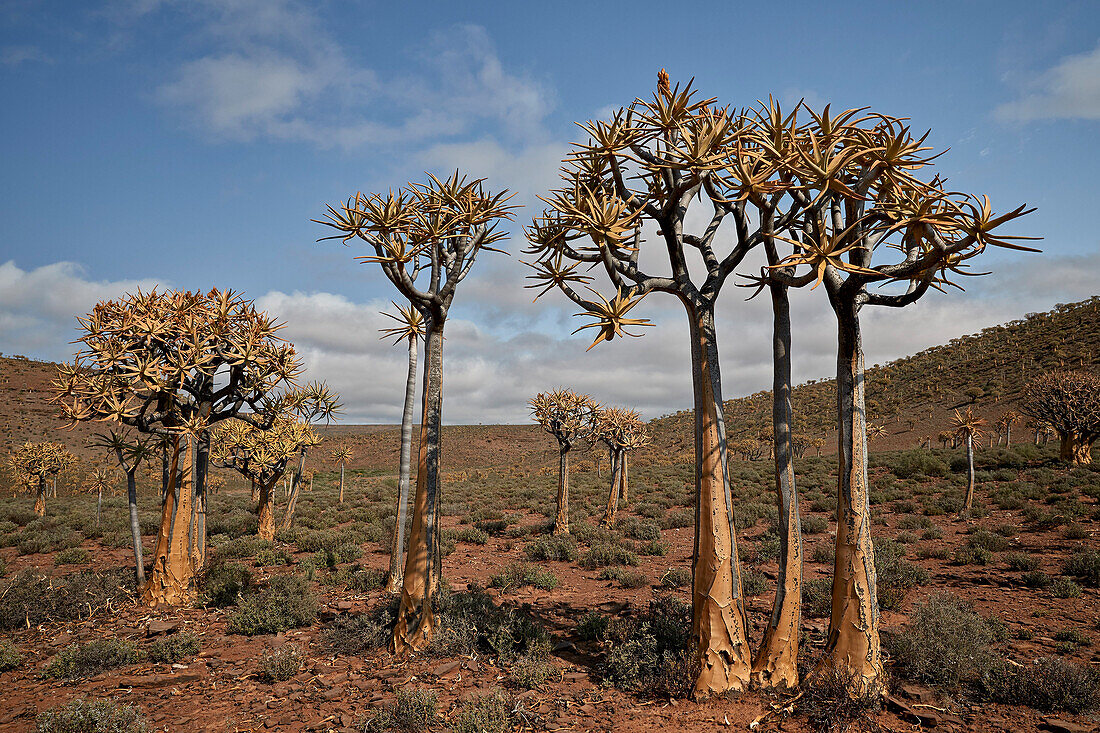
<point>913,397</point>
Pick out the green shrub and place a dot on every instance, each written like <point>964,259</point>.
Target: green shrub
<point>919,463</point>
<point>651,654</point>
<point>896,577</point>
<point>85,660</point>
<point>652,548</point>
<point>471,623</point>
<point>1085,566</point>
<point>637,529</point>
<point>753,582</point>
<point>946,643</point>
<point>988,540</point>
<point>829,705</point>
<point>10,658</point>
<point>626,577</point>
<point>533,667</point>
<point>1063,587</point>
<point>360,633</point>
<point>1037,579</point>
<point>90,716</point>
<point>473,535</point>
<point>1021,561</point>
<point>1075,532</point>
<point>677,519</point>
<point>1073,636</point>
<point>969,555</point>
<point>552,547</point>
<point>593,626</point>
<point>287,602</point>
<point>279,665</point>
<point>489,713</point>
<point>174,648</point>
<point>72,556</point>
<point>357,579</point>
<point>242,547</point>
<point>823,554</point>
<point>605,554</point>
<point>1050,684</point>
<point>521,575</point>
<point>31,598</point>
<point>817,598</point>
<point>272,556</point>
<point>223,583</point>
<point>676,578</point>
<point>412,711</point>
<point>814,525</point>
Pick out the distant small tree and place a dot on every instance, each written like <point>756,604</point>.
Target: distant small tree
<point>636,436</point>
<point>568,417</point>
<point>615,427</point>
<point>1069,402</point>
<point>100,480</point>
<point>33,463</point>
<point>341,454</point>
<point>130,452</point>
<point>1004,425</point>
<point>312,404</point>
<point>967,428</point>
<point>875,431</point>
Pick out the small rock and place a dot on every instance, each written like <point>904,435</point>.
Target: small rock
<point>345,605</point>
<point>447,668</point>
<point>917,692</point>
<point>1057,725</point>
<point>157,627</point>
<point>565,646</point>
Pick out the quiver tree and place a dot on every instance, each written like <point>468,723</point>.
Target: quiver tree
<point>130,452</point>
<point>568,417</point>
<point>1069,403</point>
<point>967,428</point>
<point>341,454</point>
<point>101,479</point>
<point>434,230</point>
<point>853,179</point>
<point>33,463</point>
<point>262,457</point>
<point>312,404</point>
<point>410,328</point>
<point>616,428</point>
<point>175,364</point>
<point>634,437</point>
<point>1004,425</point>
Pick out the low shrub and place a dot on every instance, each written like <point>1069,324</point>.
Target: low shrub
<point>72,556</point>
<point>640,529</point>
<point>1063,587</point>
<point>412,711</point>
<point>361,633</point>
<point>1050,684</point>
<point>970,555</point>
<point>356,579</point>
<point>1085,566</point>
<point>1037,579</point>
<point>532,668</point>
<point>223,583</point>
<point>828,704</point>
<point>604,554</point>
<point>817,598</point>
<point>1021,561</point>
<point>489,713</point>
<point>90,716</point>
<point>676,578</point>
<point>651,654</point>
<point>31,598</point>
<point>286,603</point>
<point>677,519</point>
<point>896,577</point>
<point>625,577</point>
<point>814,525</point>
<point>470,622</point>
<point>174,648</point>
<point>593,626</point>
<point>85,660</point>
<point>753,582</point>
<point>561,547</point>
<point>988,540</point>
<point>472,535</point>
<point>521,575</point>
<point>279,665</point>
<point>10,658</point>
<point>652,548</point>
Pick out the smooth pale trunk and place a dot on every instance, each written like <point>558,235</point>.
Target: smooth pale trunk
<point>415,622</point>
<point>202,468</point>
<point>397,544</point>
<point>341,483</point>
<point>969,472</point>
<point>612,509</point>
<point>561,523</point>
<point>171,580</point>
<point>98,506</point>
<point>135,525</point>
<point>266,509</point>
<point>624,484</point>
<point>776,663</point>
<point>295,487</point>
<point>852,646</point>
<point>718,613</point>
<point>40,498</point>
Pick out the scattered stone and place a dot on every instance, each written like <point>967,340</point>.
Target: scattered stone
<point>345,605</point>
<point>153,681</point>
<point>157,627</point>
<point>920,693</point>
<point>1057,725</point>
<point>447,668</point>
<point>921,715</point>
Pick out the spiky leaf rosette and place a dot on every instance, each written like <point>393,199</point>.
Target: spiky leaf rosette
<point>32,462</point>
<point>260,455</point>
<point>563,413</point>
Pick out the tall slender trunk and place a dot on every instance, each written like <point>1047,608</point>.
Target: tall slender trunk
<point>718,624</point>
<point>202,468</point>
<point>415,622</point>
<point>341,482</point>
<point>853,645</point>
<point>969,472</point>
<point>612,509</point>
<point>397,544</point>
<point>266,509</point>
<point>40,498</point>
<point>776,664</point>
<point>135,524</point>
<point>624,483</point>
<point>171,581</point>
<point>561,523</point>
<point>295,487</point>
<point>53,487</point>
<point>98,506</point>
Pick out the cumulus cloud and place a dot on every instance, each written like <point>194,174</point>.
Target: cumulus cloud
<point>494,365</point>
<point>1068,90</point>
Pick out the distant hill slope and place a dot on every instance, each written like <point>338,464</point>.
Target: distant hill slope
<point>913,397</point>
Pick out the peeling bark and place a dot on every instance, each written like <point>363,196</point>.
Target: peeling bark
<point>718,612</point>
<point>415,622</point>
<point>561,523</point>
<point>341,483</point>
<point>1074,448</point>
<point>40,498</point>
<point>853,645</point>
<point>266,510</point>
<point>624,485</point>
<point>171,581</point>
<point>776,663</point>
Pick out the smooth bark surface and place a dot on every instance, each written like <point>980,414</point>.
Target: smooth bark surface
<point>612,508</point>
<point>776,663</point>
<point>852,645</point>
<point>415,622</point>
<point>969,472</point>
<point>397,545</point>
<point>624,477</point>
<point>718,613</point>
<point>561,523</point>
<point>135,524</point>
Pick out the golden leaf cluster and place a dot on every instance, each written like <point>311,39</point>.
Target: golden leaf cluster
<point>33,462</point>
<point>260,455</point>
<point>565,414</point>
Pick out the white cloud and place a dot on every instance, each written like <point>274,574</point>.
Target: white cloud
<point>1069,90</point>
<point>16,55</point>
<point>496,362</point>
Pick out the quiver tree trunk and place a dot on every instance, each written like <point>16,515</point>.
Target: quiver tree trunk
<point>266,509</point>
<point>98,505</point>
<point>718,622</point>
<point>561,523</point>
<point>612,509</point>
<point>40,497</point>
<point>397,544</point>
<point>1074,448</point>
<point>852,646</point>
<point>255,492</point>
<point>341,483</point>
<point>776,663</point>
<point>135,524</point>
<point>969,472</point>
<point>171,580</point>
<point>624,484</point>
<point>415,623</point>
<point>198,509</point>
<point>295,488</point>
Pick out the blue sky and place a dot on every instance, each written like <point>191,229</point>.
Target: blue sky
<point>190,143</point>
